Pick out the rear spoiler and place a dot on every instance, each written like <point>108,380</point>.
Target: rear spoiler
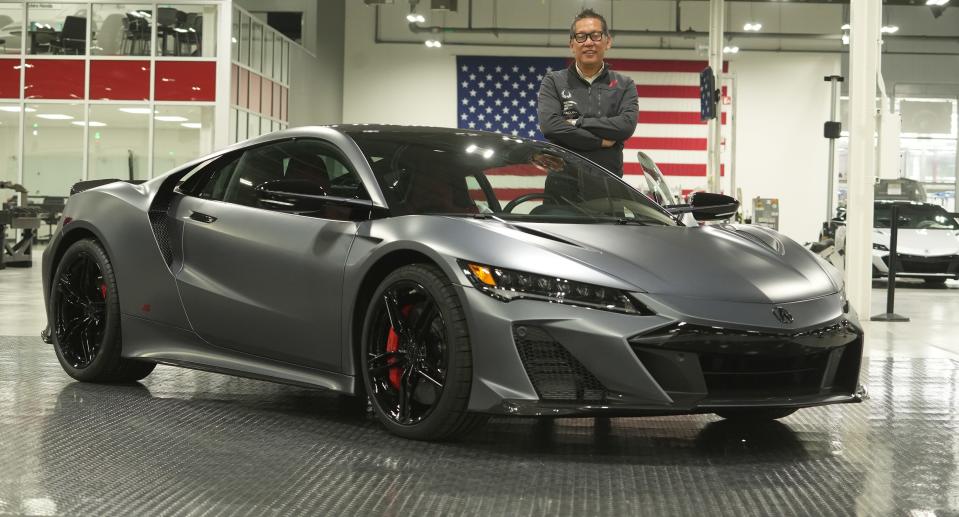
<point>80,186</point>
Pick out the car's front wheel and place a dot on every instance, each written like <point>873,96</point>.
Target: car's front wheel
<point>85,308</point>
<point>416,356</point>
<point>757,414</point>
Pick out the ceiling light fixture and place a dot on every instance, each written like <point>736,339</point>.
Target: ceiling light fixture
<point>192,125</point>
<point>54,116</point>
<point>846,27</point>
<point>92,123</point>
<point>16,109</point>
<point>730,50</point>
<point>889,29</point>
<point>432,43</point>
<point>171,118</point>
<point>937,2</point>
<point>415,18</point>
<point>136,111</point>
<point>753,27</point>
<point>845,39</point>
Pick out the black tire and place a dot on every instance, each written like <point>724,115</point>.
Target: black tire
<point>85,308</point>
<point>757,414</point>
<point>429,359</point>
<point>936,280</point>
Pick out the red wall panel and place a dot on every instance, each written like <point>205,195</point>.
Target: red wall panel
<point>10,78</point>
<point>277,99</point>
<point>54,79</point>
<point>243,92</point>
<point>254,101</point>
<point>185,81</point>
<point>120,80</point>
<point>266,97</point>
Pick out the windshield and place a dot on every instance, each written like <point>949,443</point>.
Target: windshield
<point>914,217</point>
<point>468,173</point>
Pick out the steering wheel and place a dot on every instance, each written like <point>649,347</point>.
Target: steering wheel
<point>528,197</point>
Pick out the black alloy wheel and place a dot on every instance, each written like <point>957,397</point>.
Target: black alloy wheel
<point>416,357</point>
<point>85,309</point>
<point>80,316</point>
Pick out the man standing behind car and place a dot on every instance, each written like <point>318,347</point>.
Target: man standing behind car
<point>588,108</point>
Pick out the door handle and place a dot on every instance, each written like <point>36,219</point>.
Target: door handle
<point>201,217</point>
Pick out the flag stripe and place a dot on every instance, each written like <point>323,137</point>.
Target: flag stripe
<point>672,169</point>
<point>673,144</point>
<point>671,130</point>
<point>671,117</point>
<point>669,91</point>
<point>667,156</point>
<point>670,78</point>
<point>660,65</point>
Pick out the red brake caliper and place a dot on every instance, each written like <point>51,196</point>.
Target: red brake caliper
<point>393,345</point>
<point>103,290</point>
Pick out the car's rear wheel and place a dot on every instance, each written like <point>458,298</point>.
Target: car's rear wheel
<point>416,356</point>
<point>85,308</point>
<point>936,280</point>
<point>756,414</point>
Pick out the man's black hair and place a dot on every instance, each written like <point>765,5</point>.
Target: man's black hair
<point>588,13</point>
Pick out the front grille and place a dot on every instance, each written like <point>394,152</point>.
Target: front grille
<point>748,364</point>
<point>555,373</point>
<point>927,265</point>
<point>731,375</point>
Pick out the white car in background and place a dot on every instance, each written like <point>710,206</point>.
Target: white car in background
<point>928,241</point>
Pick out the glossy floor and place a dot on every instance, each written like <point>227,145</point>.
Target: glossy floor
<point>188,442</point>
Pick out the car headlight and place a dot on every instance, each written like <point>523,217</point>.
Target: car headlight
<point>508,284</point>
<point>880,247</point>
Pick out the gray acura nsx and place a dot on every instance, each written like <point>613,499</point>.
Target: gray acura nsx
<point>445,275</point>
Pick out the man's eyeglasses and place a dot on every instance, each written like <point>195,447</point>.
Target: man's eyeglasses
<point>580,37</point>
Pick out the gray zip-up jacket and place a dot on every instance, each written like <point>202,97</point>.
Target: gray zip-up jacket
<point>607,109</point>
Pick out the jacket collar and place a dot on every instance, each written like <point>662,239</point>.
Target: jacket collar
<point>602,78</point>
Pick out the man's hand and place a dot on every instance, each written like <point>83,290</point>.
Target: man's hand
<point>608,143</point>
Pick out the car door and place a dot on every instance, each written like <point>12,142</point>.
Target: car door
<point>260,275</point>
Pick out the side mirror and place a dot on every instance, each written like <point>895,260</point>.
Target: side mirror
<point>707,207</point>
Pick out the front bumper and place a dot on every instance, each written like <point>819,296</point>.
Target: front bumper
<point>916,266</point>
<point>537,358</point>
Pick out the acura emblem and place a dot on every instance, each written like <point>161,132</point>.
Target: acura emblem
<point>783,315</point>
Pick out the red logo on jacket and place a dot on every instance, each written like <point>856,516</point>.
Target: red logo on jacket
<point>613,83</point>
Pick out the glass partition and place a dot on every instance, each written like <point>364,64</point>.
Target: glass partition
<point>119,141</point>
<point>256,48</point>
<point>53,143</point>
<point>180,134</point>
<point>186,30</point>
<point>268,53</point>
<point>244,58</point>
<point>121,30</point>
<point>9,144</point>
<point>11,28</point>
<point>56,29</point>
<point>235,36</point>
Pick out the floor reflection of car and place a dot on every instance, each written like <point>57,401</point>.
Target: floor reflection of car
<point>928,241</point>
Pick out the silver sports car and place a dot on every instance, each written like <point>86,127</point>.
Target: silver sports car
<point>446,275</point>
<point>927,241</point>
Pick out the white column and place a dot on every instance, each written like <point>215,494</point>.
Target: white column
<point>863,68</point>
<point>715,138</point>
<point>224,34</point>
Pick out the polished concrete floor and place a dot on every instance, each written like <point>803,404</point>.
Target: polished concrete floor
<point>188,442</point>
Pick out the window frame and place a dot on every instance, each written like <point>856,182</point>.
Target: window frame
<point>196,181</point>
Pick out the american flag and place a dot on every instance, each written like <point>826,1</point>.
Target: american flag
<point>497,93</point>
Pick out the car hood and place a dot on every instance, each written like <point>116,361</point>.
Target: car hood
<point>736,263</point>
<point>927,243</point>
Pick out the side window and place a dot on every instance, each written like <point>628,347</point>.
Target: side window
<point>261,176</point>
